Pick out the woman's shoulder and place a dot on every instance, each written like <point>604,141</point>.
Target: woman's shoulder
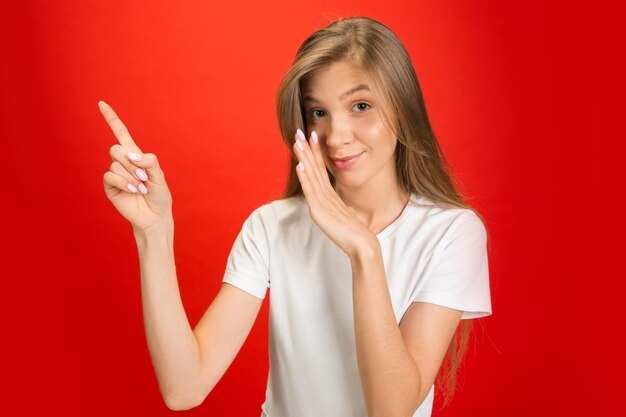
<point>278,209</point>
<point>442,213</point>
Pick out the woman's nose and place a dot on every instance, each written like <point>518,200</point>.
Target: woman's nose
<point>338,134</point>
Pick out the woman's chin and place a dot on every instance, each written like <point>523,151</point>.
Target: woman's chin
<point>347,182</point>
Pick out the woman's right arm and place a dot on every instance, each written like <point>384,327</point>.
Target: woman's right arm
<point>188,364</point>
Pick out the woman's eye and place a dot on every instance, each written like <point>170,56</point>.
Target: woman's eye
<point>362,106</point>
<point>317,113</point>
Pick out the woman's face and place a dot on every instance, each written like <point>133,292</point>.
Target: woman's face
<point>357,146</point>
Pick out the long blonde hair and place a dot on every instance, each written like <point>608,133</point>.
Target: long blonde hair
<point>420,165</point>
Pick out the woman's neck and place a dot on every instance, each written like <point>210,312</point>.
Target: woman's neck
<point>376,205</point>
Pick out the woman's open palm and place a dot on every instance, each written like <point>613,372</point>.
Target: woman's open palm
<point>137,188</point>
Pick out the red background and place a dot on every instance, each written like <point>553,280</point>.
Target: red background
<point>524,98</point>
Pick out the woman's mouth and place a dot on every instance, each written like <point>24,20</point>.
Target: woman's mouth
<point>346,162</point>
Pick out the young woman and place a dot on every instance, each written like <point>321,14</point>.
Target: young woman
<point>372,258</point>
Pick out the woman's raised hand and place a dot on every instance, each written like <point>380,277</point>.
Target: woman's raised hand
<point>327,209</point>
<point>135,183</point>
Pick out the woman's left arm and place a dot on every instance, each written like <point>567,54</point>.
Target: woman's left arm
<point>397,363</point>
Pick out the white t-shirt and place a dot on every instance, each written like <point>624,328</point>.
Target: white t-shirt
<point>431,254</point>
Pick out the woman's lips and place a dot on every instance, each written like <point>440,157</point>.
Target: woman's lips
<point>345,163</point>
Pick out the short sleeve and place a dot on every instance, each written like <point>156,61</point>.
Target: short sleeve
<point>459,278</point>
<point>248,262</point>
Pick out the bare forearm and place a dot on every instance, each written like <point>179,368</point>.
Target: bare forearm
<point>389,376</point>
<point>173,347</point>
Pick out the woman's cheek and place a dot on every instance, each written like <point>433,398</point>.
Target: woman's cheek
<point>372,128</point>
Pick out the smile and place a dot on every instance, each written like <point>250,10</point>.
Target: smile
<point>345,163</point>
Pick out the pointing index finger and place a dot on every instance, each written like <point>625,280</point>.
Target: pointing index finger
<point>119,130</point>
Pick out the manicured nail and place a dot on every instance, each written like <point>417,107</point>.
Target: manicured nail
<point>132,188</point>
<point>143,188</point>
<point>141,174</point>
<point>134,156</point>
<point>314,136</point>
<point>299,145</point>
<point>301,166</point>
<point>301,135</point>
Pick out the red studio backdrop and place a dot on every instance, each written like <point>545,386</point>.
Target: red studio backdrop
<point>523,97</point>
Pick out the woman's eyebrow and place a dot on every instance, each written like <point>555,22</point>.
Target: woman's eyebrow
<point>343,96</point>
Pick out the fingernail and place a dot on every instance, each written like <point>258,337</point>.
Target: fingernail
<point>143,188</point>
<point>300,166</point>
<point>134,156</point>
<point>141,174</point>
<point>314,136</point>
<point>301,135</point>
<point>299,145</point>
<point>132,188</point>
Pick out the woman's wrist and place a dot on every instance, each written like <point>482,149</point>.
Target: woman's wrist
<point>156,230</point>
<point>366,250</point>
